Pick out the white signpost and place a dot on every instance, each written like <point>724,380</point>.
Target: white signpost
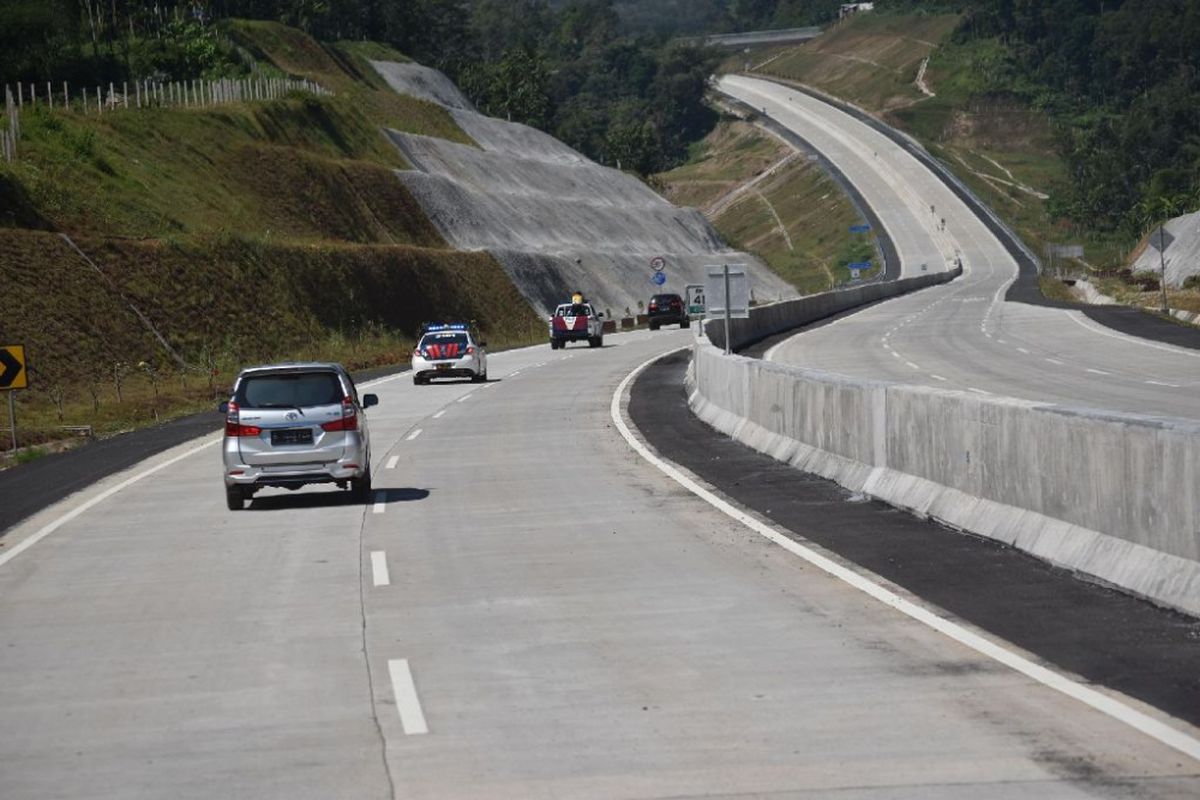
<point>727,292</point>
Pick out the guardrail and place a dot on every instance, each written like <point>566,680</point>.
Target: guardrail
<point>746,38</point>
<point>1110,495</point>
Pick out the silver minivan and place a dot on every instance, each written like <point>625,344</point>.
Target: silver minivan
<point>289,425</point>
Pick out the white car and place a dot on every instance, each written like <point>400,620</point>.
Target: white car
<point>449,350</point>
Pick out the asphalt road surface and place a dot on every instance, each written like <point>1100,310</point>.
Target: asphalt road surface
<point>527,609</point>
<point>962,335</point>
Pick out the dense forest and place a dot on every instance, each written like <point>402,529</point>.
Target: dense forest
<point>1121,78</point>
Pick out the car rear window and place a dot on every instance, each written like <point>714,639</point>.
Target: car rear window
<point>445,338</point>
<point>574,311</point>
<point>665,298</point>
<point>301,389</point>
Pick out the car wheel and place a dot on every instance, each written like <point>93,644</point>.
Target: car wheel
<point>478,377</point>
<point>653,326</point>
<point>235,498</point>
<point>594,341</point>
<point>687,323</point>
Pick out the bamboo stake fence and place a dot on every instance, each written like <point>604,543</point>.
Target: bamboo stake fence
<point>144,94</point>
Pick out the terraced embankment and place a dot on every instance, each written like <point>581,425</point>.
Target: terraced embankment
<point>555,220</point>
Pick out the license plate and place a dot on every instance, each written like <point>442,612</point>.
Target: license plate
<point>443,366</point>
<point>292,436</point>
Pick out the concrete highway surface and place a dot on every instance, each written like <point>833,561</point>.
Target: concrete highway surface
<point>962,335</point>
<point>528,608</point>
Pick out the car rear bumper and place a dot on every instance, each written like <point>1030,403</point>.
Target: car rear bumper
<point>571,336</point>
<point>669,317</point>
<point>460,368</point>
<point>294,475</point>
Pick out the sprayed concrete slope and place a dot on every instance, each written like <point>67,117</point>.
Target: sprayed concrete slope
<point>555,220</point>
<point>1182,255</point>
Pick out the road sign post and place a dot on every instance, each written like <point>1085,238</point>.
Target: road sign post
<point>13,377</point>
<point>693,295</point>
<point>727,292</point>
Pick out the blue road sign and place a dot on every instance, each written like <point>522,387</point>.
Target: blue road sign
<point>660,277</point>
<point>860,228</point>
<point>860,265</point>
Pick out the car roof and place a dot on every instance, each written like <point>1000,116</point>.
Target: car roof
<point>296,366</point>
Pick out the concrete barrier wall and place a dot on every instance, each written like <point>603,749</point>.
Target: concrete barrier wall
<point>784,316</point>
<point>1110,495</point>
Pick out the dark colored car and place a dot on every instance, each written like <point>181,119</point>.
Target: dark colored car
<point>667,309</point>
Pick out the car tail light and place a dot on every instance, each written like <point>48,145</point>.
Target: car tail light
<point>418,354</point>
<point>234,428</point>
<point>653,305</point>
<point>470,349</point>
<point>349,420</point>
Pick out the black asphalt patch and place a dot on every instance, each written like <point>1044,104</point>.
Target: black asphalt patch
<point>28,488</point>
<point>1103,635</point>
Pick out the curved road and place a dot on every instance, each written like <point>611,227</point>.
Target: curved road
<point>962,335</point>
<point>528,609</point>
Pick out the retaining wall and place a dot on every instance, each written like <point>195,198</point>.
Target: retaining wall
<point>1110,495</point>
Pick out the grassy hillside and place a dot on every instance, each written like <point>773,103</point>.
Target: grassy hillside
<point>212,237</point>
<point>871,60</point>
<point>765,198</point>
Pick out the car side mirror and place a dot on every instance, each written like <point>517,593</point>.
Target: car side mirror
<point>369,400</point>
<point>223,408</point>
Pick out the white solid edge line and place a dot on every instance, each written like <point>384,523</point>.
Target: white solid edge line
<point>392,462</point>
<point>404,690</point>
<point>770,354</point>
<point>51,527</point>
<point>1077,317</point>
<point>379,568</point>
<point>413,435</point>
<point>1109,706</point>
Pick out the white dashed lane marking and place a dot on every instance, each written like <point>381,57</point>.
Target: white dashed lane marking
<point>379,568</point>
<point>1168,385</point>
<point>380,503</point>
<point>439,414</point>
<point>392,462</point>
<point>404,690</point>
<point>1098,371</point>
<point>413,435</point>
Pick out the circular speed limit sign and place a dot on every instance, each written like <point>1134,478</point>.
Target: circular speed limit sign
<point>658,263</point>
